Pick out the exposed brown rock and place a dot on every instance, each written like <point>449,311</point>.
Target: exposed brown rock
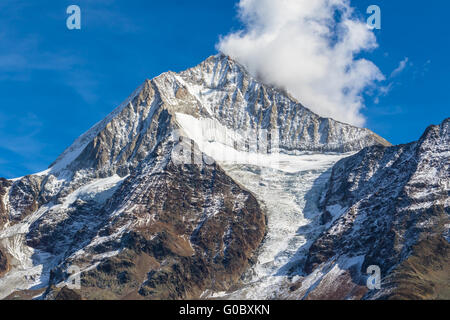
<point>425,274</point>
<point>67,294</point>
<point>25,294</point>
<point>341,288</point>
<point>200,239</point>
<point>4,263</point>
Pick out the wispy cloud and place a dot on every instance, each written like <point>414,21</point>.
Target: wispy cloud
<point>19,58</point>
<point>401,67</point>
<point>381,91</point>
<point>111,19</point>
<point>387,110</point>
<point>84,84</point>
<point>422,70</point>
<point>21,54</point>
<point>23,142</point>
<point>26,54</point>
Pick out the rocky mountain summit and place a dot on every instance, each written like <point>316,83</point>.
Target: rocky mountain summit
<point>148,203</point>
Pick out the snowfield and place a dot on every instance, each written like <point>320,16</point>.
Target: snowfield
<point>288,187</point>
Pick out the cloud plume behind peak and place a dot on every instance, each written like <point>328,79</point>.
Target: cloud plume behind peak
<point>309,48</point>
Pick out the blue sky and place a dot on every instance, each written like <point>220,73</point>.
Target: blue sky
<point>55,83</point>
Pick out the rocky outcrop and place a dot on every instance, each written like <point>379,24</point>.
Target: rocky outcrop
<point>205,230</point>
<point>4,187</point>
<point>67,294</point>
<point>383,207</point>
<point>424,275</point>
<point>62,294</point>
<point>24,197</point>
<point>4,263</point>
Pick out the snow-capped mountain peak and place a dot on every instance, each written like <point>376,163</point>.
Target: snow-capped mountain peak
<point>118,206</point>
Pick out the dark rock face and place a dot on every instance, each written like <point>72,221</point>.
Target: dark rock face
<point>140,121</point>
<point>4,185</point>
<point>425,274</point>
<point>204,229</point>
<point>4,264</point>
<point>392,199</point>
<point>67,294</point>
<point>24,197</point>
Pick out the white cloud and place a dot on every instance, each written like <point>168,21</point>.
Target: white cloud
<point>402,65</point>
<point>309,48</point>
